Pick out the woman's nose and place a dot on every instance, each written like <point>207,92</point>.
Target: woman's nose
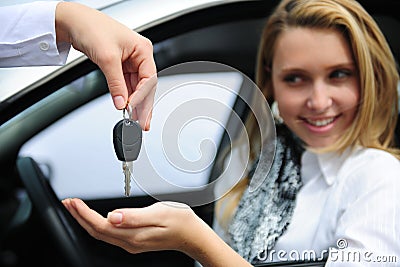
<point>319,99</point>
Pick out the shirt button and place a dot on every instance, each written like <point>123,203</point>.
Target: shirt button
<point>44,46</point>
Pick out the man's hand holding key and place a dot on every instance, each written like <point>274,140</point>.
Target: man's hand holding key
<point>127,138</point>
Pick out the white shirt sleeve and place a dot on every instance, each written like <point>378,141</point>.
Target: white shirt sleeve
<point>348,209</point>
<point>368,228</point>
<point>28,37</point>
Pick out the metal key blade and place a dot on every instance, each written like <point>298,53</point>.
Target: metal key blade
<point>127,168</point>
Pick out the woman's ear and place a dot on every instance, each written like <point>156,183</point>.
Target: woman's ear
<point>275,112</point>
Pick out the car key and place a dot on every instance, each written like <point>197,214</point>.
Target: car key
<point>127,139</point>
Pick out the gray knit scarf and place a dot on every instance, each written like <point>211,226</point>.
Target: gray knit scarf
<point>264,214</point>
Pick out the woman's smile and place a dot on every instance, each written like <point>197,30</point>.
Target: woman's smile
<point>320,125</point>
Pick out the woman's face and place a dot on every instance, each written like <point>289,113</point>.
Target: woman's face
<point>315,82</point>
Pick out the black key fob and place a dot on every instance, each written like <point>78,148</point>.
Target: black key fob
<point>127,139</point>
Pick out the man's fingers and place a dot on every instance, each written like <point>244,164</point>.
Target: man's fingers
<point>142,100</point>
<point>143,55</point>
<point>112,69</point>
<point>145,114</point>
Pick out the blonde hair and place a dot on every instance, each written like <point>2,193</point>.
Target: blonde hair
<point>375,122</point>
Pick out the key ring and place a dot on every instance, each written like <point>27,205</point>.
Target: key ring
<point>128,109</point>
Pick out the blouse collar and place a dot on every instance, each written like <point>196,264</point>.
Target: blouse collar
<point>328,164</point>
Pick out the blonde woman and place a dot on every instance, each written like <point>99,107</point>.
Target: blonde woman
<point>332,190</point>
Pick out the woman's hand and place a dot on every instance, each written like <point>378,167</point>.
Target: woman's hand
<point>161,226</point>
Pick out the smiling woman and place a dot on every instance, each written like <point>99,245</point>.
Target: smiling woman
<point>315,63</point>
<point>316,84</point>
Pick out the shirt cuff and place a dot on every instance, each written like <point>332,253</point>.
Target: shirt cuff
<point>30,40</point>
<point>40,51</point>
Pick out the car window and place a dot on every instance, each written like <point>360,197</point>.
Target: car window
<point>76,152</point>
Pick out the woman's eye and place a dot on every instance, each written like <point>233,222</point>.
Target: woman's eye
<point>292,79</point>
<point>340,74</point>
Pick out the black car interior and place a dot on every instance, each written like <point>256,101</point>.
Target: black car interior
<point>34,225</point>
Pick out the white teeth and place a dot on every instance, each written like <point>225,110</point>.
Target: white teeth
<point>320,123</point>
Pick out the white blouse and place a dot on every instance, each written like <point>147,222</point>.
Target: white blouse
<point>347,210</point>
<point>28,37</point>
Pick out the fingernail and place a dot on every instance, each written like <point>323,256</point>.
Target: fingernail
<point>119,102</point>
<point>65,202</point>
<point>114,217</point>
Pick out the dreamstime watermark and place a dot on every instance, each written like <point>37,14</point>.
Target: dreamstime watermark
<point>342,253</point>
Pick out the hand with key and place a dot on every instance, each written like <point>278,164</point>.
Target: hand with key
<point>127,139</point>
<point>124,56</point>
